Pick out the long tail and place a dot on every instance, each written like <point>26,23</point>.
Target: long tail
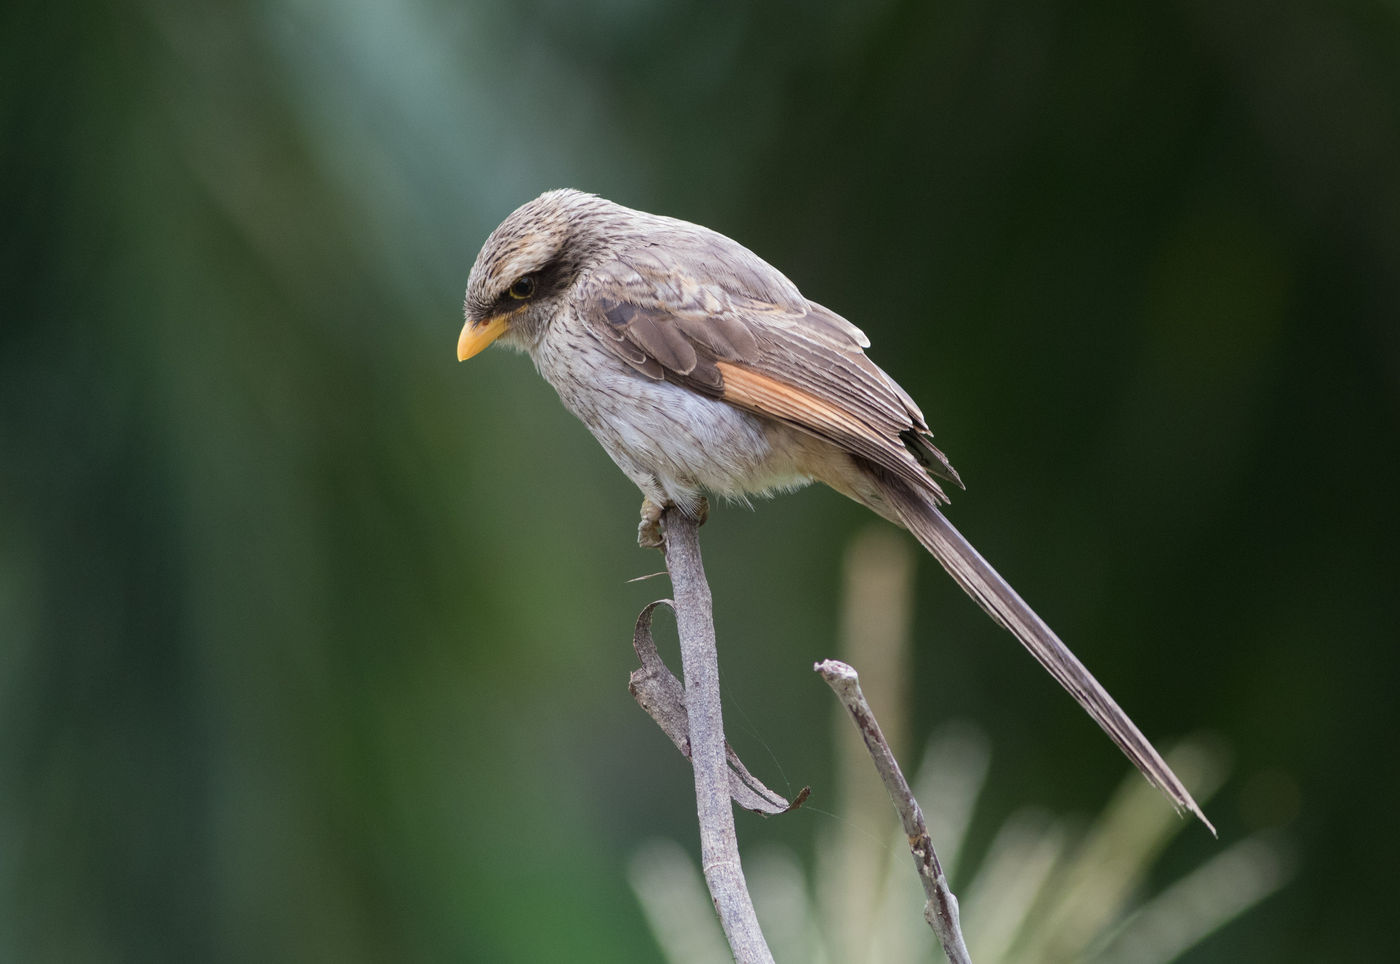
<point>980,581</point>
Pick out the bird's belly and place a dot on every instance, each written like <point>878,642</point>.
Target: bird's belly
<point>672,441</point>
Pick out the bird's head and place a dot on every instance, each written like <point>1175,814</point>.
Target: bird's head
<point>526,266</point>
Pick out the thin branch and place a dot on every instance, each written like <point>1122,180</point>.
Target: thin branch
<point>941,908</point>
<point>719,847</point>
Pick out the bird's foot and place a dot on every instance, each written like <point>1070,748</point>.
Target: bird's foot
<point>649,530</point>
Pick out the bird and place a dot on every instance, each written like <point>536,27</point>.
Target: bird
<point>700,368</point>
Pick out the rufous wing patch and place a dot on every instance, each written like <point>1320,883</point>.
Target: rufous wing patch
<point>767,395</point>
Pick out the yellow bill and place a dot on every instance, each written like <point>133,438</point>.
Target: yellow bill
<point>476,336</point>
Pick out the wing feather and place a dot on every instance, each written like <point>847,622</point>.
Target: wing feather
<point>788,359</point>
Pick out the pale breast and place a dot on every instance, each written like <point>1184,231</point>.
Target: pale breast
<point>671,441</point>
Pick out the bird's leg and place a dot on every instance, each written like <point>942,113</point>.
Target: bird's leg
<point>649,531</point>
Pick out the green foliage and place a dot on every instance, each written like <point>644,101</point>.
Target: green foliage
<point>274,569</point>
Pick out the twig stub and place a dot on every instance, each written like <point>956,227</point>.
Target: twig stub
<point>941,907</point>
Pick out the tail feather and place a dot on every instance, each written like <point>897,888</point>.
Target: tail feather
<point>980,581</point>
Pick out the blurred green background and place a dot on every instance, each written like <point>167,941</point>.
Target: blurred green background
<point>314,643</point>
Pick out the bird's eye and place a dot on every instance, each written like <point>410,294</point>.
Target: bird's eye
<point>522,288</point>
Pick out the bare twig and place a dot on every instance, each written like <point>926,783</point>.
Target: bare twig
<point>941,908</point>
<point>719,847</point>
<point>876,609</point>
